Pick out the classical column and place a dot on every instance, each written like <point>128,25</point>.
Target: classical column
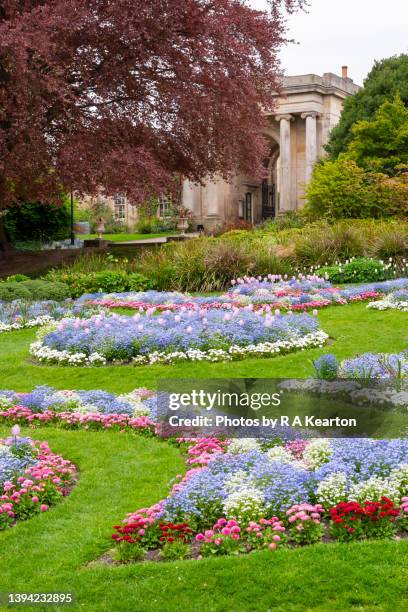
<point>311,143</point>
<point>285,162</point>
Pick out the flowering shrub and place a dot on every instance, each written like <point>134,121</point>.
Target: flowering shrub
<point>32,478</point>
<point>266,533</point>
<point>372,519</point>
<point>403,522</point>
<point>357,270</point>
<point>223,539</point>
<point>305,525</point>
<point>194,335</point>
<point>347,521</point>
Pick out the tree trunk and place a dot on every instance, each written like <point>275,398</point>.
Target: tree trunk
<point>5,246</point>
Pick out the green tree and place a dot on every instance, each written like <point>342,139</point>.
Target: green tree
<point>381,144</point>
<point>340,189</point>
<point>387,78</point>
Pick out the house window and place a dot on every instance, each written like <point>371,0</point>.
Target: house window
<point>120,207</point>
<point>164,206</point>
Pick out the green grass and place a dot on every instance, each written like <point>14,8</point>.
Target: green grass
<point>354,329</point>
<point>121,472</point>
<point>126,237</point>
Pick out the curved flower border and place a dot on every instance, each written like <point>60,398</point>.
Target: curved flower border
<point>44,354</point>
<point>38,487</point>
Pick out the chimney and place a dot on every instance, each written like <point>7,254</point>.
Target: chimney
<point>344,71</point>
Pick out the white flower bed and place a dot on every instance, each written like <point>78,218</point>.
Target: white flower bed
<point>37,322</point>
<point>316,339</point>
<point>388,304</point>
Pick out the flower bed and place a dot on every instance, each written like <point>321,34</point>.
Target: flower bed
<point>93,410</point>
<point>398,300</point>
<point>303,293</point>
<point>237,495</point>
<point>32,478</point>
<point>244,495</point>
<point>209,335</point>
<point>20,314</point>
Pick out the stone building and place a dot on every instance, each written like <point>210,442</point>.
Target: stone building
<point>305,111</point>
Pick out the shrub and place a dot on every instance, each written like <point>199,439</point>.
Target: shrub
<point>13,291</point>
<point>174,551</point>
<point>33,290</point>
<point>35,221</point>
<point>358,270</point>
<point>236,226</point>
<point>305,525</point>
<point>44,290</point>
<point>106,281</point>
<point>127,551</point>
<point>341,189</point>
<point>18,278</point>
<point>144,225</point>
<point>288,220</point>
<point>372,519</point>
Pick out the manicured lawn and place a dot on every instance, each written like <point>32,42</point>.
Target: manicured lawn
<point>121,472</point>
<point>126,237</point>
<point>353,328</point>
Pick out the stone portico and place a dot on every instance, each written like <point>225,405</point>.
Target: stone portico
<point>306,109</point>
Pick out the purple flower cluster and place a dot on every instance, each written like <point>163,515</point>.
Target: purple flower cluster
<point>375,365</point>
<point>121,337</point>
<point>44,398</point>
<point>278,484</point>
<point>20,313</point>
<point>14,457</point>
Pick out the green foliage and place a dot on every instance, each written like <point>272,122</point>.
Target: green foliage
<point>33,290</point>
<point>381,144</point>
<point>33,221</point>
<point>360,270</point>
<point>324,243</point>
<point>174,551</point>
<point>388,78</point>
<point>106,281</point>
<point>391,242</point>
<point>287,220</point>
<point>13,291</point>
<point>340,189</point>
<point>18,278</point>
<point>208,263</point>
<point>126,552</point>
<point>145,225</point>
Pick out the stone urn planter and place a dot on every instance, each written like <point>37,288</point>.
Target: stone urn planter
<point>100,227</point>
<point>182,224</point>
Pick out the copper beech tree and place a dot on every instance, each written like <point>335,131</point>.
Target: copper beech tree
<point>129,93</point>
